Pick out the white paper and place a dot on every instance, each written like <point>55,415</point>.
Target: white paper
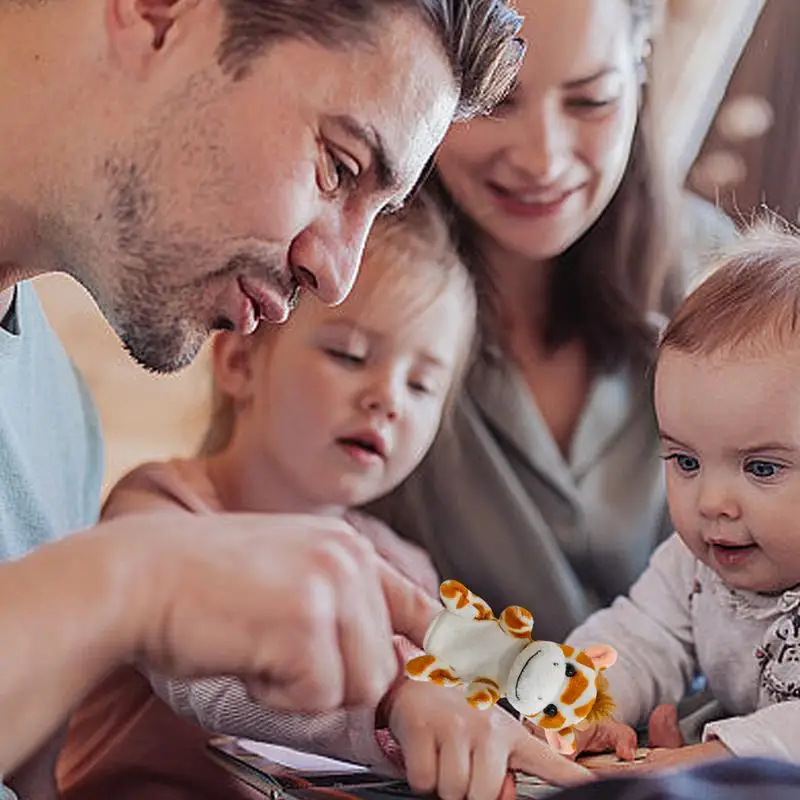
<point>296,759</point>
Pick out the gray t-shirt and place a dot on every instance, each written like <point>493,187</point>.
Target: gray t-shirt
<point>51,451</point>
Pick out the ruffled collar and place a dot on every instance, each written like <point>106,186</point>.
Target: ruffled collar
<point>752,605</point>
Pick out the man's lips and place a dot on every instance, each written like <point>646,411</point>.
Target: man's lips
<point>267,303</point>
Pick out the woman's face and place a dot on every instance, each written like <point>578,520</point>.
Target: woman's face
<point>540,171</point>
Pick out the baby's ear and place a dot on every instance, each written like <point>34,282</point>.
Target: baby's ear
<point>603,655</point>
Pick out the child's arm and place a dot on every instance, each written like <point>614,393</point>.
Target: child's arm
<point>651,630</point>
<point>771,732</point>
<point>223,705</point>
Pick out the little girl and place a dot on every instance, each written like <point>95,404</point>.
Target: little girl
<point>722,596</point>
<point>318,416</point>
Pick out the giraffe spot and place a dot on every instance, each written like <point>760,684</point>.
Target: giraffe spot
<point>576,686</point>
<point>443,677</point>
<point>582,658</point>
<point>417,666</point>
<point>482,611</point>
<point>481,700</point>
<point>555,723</point>
<point>583,711</point>
<point>567,650</point>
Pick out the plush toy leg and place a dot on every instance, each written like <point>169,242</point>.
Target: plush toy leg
<point>562,741</point>
<point>517,622</point>
<point>483,693</point>
<point>460,600</point>
<point>431,669</point>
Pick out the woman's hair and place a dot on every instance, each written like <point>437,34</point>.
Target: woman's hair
<point>418,262</point>
<point>748,303</point>
<point>603,288</point>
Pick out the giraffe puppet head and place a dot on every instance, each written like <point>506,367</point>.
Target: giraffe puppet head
<point>555,686</point>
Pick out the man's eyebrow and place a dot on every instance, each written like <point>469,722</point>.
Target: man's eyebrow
<point>595,76</point>
<point>387,172</point>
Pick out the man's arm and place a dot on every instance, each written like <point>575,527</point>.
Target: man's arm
<point>300,608</point>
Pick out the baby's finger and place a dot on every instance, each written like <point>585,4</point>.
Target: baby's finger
<point>489,769</point>
<point>420,757</point>
<point>535,757</point>
<point>455,766</point>
<point>663,727</point>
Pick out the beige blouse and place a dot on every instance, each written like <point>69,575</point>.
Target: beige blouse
<point>499,508</point>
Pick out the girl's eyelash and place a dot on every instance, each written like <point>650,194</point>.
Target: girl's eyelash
<point>343,355</point>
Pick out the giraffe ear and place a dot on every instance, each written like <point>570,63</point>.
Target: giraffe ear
<point>603,655</point>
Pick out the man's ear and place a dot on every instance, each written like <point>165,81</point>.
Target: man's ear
<point>232,357</point>
<point>603,655</point>
<point>140,30</point>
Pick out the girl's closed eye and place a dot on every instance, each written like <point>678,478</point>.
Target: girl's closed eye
<point>349,358</point>
<point>684,463</point>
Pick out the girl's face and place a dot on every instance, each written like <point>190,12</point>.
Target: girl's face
<point>341,404</point>
<point>539,172</point>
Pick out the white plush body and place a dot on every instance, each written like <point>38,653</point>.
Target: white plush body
<point>473,648</point>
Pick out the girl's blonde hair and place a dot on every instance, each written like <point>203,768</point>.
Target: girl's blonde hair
<point>414,249</point>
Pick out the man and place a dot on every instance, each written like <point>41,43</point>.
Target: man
<point>193,163</point>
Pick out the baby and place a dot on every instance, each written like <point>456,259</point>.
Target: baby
<point>722,595</point>
<point>318,416</point>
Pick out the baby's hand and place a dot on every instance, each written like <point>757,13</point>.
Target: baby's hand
<point>610,735</point>
<point>460,752</point>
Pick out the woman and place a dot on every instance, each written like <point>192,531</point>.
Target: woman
<point>546,491</point>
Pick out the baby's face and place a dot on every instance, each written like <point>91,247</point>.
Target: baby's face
<point>730,432</point>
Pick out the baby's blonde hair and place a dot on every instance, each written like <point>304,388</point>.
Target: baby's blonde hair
<point>748,303</point>
<point>414,249</point>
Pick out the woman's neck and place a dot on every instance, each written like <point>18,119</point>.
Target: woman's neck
<point>521,294</point>
<point>246,482</point>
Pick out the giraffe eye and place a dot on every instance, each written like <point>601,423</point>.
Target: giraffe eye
<point>550,711</point>
<point>570,670</point>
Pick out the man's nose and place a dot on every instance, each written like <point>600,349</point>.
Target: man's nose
<point>326,257</point>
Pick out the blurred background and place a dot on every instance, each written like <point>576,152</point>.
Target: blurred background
<point>728,75</point>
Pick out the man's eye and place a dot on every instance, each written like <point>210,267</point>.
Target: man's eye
<point>341,173</point>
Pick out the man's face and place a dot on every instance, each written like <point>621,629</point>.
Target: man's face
<point>210,199</point>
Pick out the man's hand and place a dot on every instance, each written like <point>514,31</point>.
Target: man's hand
<point>301,608</point>
<point>459,752</point>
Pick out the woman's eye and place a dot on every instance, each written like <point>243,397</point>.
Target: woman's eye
<point>345,357</point>
<point>589,104</point>
<point>684,463</point>
<point>763,469</point>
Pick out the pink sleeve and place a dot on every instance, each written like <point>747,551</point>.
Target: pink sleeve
<point>409,559</point>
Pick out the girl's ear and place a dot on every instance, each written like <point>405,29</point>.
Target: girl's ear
<point>602,655</point>
<point>232,357</point>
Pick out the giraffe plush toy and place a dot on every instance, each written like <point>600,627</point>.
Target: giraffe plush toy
<point>553,685</point>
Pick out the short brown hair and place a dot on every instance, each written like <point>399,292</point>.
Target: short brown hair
<point>416,239</point>
<point>479,37</point>
<point>750,300</point>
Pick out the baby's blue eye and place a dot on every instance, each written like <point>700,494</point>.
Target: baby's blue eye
<point>686,464</point>
<point>763,469</point>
